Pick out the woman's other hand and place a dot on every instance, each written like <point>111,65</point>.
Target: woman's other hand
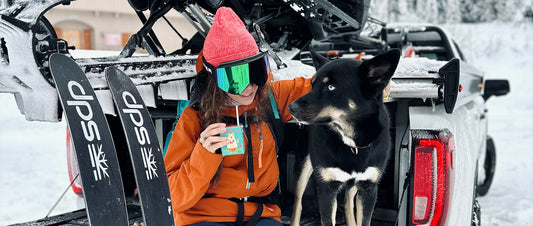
<point>210,138</point>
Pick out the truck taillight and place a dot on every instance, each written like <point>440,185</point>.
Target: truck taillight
<point>72,163</point>
<point>432,177</point>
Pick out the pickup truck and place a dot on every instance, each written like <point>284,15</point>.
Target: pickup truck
<point>442,157</point>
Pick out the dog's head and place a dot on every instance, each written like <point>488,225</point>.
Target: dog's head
<point>345,91</point>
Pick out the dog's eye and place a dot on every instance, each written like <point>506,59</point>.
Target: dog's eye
<point>331,87</point>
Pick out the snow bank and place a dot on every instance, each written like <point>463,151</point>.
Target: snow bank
<point>33,173</point>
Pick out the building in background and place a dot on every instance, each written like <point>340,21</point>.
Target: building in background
<point>107,25</point>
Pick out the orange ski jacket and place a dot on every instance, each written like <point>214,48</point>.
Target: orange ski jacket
<point>190,166</point>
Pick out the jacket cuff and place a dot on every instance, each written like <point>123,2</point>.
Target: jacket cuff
<point>205,161</point>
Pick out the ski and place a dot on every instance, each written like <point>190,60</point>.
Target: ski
<point>145,151</point>
<point>95,152</point>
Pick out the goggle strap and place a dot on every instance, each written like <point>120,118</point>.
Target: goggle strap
<point>273,104</point>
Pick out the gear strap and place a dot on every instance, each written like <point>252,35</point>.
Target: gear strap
<point>275,124</point>
<point>250,160</point>
<point>271,198</point>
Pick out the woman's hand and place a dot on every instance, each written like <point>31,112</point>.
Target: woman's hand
<point>210,138</point>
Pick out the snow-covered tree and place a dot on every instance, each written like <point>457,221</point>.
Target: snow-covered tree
<point>379,10</point>
<point>507,10</point>
<point>453,11</point>
<point>449,11</point>
<point>470,11</point>
<point>393,10</point>
<point>427,10</point>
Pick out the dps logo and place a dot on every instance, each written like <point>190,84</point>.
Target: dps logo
<point>90,129</point>
<point>141,133</point>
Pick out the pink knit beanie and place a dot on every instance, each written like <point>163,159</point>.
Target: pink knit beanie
<point>228,39</point>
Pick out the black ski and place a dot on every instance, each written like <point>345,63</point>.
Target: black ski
<point>145,151</point>
<point>93,143</point>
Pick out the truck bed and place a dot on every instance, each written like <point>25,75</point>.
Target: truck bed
<point>79,217</point>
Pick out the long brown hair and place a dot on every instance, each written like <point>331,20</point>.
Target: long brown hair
<point>212,102</point>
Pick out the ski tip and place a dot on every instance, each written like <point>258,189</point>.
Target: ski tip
<point>60,61</point>
<point>111,71</point>
<point>58,56</point>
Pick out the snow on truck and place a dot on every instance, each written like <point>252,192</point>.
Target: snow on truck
<point>442,156</point>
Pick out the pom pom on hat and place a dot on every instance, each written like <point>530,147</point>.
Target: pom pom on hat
<point>228,39</point>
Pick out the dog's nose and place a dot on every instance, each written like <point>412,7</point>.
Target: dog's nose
<point>294,107</point>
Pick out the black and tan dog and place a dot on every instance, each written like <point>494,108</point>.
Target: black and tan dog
<point>349,139</point>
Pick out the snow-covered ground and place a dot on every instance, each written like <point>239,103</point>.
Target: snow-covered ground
<point>33,169</point>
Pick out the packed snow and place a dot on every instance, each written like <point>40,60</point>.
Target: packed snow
<point>33,173</point>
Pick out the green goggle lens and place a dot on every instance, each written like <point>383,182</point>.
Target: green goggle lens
<point>233,79</point>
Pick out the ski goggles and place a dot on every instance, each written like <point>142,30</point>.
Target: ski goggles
<point>234,76</point>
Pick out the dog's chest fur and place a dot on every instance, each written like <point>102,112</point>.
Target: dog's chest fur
<point>334,160</point>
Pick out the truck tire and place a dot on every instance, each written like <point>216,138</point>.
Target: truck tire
<point>490,166</point>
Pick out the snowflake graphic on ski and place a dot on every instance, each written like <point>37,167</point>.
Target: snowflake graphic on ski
<point>149,163</point>
<point>98,162</point>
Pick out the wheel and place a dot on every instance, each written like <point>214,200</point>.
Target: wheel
<point>489,166</point>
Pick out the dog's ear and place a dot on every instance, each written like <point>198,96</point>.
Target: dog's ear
<point>380,69</point>
<point>318,60</point>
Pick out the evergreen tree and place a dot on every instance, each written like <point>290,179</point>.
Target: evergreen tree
<point>507,10</point>
<point>442,9</point>
<point>449,11</point>
<point>427,10</point>
<point>470,12</point>
<point>404,10</point>
<point>393,11</point>
<point>488,11</point>
<point>411,5</point>
<point>379,10</point>
<point>453,11</point>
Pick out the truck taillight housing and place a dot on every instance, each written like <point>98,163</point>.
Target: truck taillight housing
<point>432,177</point>
<point>72,163</point>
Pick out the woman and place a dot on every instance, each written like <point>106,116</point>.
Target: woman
<point>206,183</point>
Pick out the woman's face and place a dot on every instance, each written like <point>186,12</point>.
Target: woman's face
<point>247,96</point>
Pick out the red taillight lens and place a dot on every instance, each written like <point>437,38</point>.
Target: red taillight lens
<point>423,184</point>
<point>432,177</point>
<point>72,163</point>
